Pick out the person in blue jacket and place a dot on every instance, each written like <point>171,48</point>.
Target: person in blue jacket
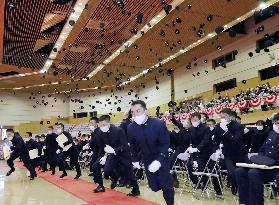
<point>114,153</point>
<point>71,152</point>
<point>150,136</point>
<point>251,181</point>
<point>19,150</point>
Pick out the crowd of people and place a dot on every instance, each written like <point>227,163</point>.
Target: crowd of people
<point>196,104</point>
<point>145,143</point>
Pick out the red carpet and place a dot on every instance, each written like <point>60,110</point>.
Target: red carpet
<point>83,190</point>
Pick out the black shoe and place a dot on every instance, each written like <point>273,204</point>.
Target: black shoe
<point>32,177</point>
<point>63,175</point>
<point>77,176</point>
<point>134,193</point>
<point>120,185</point>
<point>99,189</point>
<point>113,184</point>
<point>52,172</point>
<point>10,172</point>
<point>234,191</point>
<point>90,175</point>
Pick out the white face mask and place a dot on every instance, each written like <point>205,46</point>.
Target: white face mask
<point>92,128</point>
<point>49,132</point>
<point>276,128</point>
<point>59,131</point>
<point>224,121</point>
<point>104,128</point>
<point>140,119</point>
<point>10,138</point>
<point>260,127</point>
<point>196,124</point>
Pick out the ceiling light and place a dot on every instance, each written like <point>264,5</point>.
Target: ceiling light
<point>263,5</point>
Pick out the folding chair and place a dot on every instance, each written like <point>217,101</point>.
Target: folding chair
<point>209,172</point>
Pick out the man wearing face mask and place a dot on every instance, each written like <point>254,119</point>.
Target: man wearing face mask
<point>151,137</point>
<point>114,153</point>
<point>71,152</point>
<point>251,181</point>
<point>258,136</point>
<point>31,144</point>
<point>51,148</point>
<point>94,129</point>
<point>200,145</point>
<point>19,150</point>
<point>230,134</point>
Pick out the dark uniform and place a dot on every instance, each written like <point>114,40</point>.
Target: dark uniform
<point>72,153</point>
<point>33,144</point>
<point>258,137</point>
<point>93,147</point>
<point>250,181</point>
<point>234,149</point>
<point>117,139</point>
<point>20,150</point>
<point>200,138</point>
<point>152,140</point>
<point>51,148</point>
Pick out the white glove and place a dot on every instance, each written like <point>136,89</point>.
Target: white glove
<point>170,150</point>
<point>136,165</point>
<point>103,160</point>
<point>195,164</point>
<point>224,127</point>
<point>154,166</point>
<point>191,150</point>
<point>58,151</point>
<point>44,147</point>
<point>108,149</point>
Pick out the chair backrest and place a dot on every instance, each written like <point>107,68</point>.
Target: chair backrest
<point>183,156</point>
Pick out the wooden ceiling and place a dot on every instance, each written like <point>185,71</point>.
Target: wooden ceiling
<point>103,22</point>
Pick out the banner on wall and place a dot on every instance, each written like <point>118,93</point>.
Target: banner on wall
<point>216,110</point>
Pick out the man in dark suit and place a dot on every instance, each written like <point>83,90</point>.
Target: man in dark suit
<point>251,181</point>
<point>72,153</point>
<point>94,129</point>
<point>19,150</point>
<point>51,148</point>
<point>230,134</point>
<point>150,136</point>
<point>114,153</point>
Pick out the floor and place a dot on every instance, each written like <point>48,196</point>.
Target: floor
<point>18,189</point>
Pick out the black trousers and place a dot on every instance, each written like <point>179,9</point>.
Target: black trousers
<point>251,184</point>
<point>113,163</point>
<point>230,165</point>
<point>73,155</point>
<point>161,180</point>
<point>52,159</point>
<point>25,159</point>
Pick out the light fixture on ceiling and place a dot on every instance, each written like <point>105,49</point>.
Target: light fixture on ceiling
<point>78,9</point>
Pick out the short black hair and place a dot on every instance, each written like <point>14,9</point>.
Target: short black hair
<point>226,111</point>
<point>237,117</point>
<point>206,116</point>
<point>139,102</point>
<point>276,117</point>
<point>29,133</point>
<point>233,114</point>
<point>61,124</point>
<point>260,122</point>
<point>196,114</point>
<point>104,118</point>
<point>50,127</point>
<point>10,130</point>
<point>95,119</point>
<point>211,120</point>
